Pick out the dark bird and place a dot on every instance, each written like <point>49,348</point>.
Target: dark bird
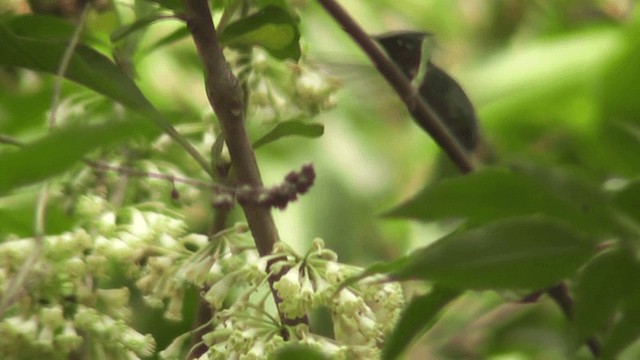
<point>437,88</point>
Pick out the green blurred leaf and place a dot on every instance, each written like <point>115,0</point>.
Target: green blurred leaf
<point>491,194</point>
<point>625,331</point>
<point>91,69</point>
<point>124,31</point>
<point>42,27</point>
<point>619,86</point>
<point>175,5</point>
<point>602,285</point>
<point>518,253</point>
<point>297,352</point>
<point>58,151</point>
<point>273,28</point>
<point>176,35</point>
<point>416,318</point>
<point>291,128</point>
<point>87,67</point>
<point>628,198</point>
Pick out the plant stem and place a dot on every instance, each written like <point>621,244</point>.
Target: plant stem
<point>227,100</point>
<point>413,101</point>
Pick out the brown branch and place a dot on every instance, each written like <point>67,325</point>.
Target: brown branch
<point>225,96</point>
<point>422,111</point>
<point>227,100</point>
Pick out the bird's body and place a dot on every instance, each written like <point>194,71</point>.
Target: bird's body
<point>437,88</point>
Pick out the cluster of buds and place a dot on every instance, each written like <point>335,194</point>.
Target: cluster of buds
<point>80,316</point>
<point>279,196</point>
<point>286,91</point>
<point>247,328</point>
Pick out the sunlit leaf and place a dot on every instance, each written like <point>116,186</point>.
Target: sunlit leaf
<point>272,28</point>
<point>517,253</point>
<point>416,318</point>
<point>291,128</point>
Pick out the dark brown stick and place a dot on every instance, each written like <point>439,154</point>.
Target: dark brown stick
<point>227,100</point>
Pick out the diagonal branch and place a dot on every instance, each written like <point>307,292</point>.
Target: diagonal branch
<point>414,103</point>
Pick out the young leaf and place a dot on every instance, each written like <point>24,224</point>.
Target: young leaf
<point>601,287</point>
<point>416,318</point>
<point>58,151</point>
<point>492,193</point>
<point>273,28</point>
<point>517,253</point>
<point>290,128</point>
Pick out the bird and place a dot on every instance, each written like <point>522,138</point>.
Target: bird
<point>445,96</point>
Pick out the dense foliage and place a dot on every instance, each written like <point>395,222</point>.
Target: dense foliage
<point>134,222</point>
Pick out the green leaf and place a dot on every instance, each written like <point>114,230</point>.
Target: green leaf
<point>57,152</point>
<point>416,318</point>
<point>628,198</point>
<point>290,128</point>
<point>273,28</point>
<point>176,35</point>
<point>518,253</point>
<point>91,69</point>
<point>602,285</point>
<point>42,27</point>
<point>175,5</point>
<point>87,67</point>
<point>490,194</point>
<point>625,331</point>
<point>296,352</point>
<point>141,23</point>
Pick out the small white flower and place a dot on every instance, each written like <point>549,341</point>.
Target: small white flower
<point>219,291</point>
<point>143,345</point>
<point>68,340</point>
<point>288,285</point>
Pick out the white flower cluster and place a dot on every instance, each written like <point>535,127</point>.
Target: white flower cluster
<point>63,309</point>
<point>361,314</point>
<point>58,307</point>
<point>249,328</point>
<point>284,91</point>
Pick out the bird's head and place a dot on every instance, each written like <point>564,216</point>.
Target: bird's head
<point>405,48</point>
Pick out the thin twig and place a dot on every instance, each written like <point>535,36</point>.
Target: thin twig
<point>64,64</point>
<point>413,101</point>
